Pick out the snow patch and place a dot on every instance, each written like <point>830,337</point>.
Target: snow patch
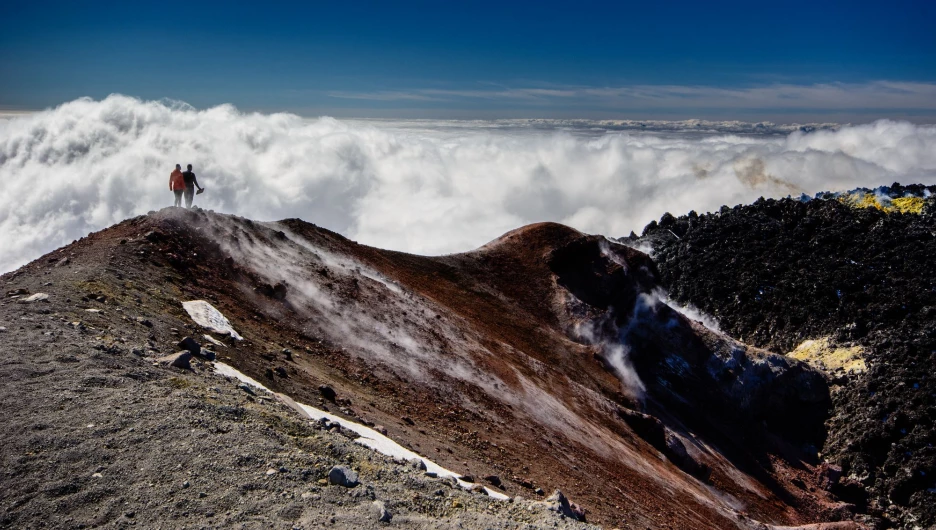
<point>367,437</point>
<point>205,315</point>
<point>214,341</point>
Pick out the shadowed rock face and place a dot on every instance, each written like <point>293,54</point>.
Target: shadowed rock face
<point>700,376</point>
<point>519,359</point>
<point>852,271</point>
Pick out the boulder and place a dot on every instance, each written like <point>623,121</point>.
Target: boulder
<point>558,502</point>
<point>181,359</point>
<point>381,512</point>
<point>327,392</point>
<point>343,476</point>
<point>189,344</point>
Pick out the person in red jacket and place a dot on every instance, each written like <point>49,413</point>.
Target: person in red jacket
<point>177,184</point>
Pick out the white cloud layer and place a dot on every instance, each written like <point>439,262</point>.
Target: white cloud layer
<point>423,187</point>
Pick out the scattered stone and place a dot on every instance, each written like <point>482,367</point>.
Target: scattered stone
<point>381,512</point>
<point>180,359</point>
<point>327,392</point>
<point>189,344</point>
<point>185,484</point>
<point>288,353</point>
<point>418,464</point>
<point>246,388</point>
<point>18,292</point>
<point>493,480</point>
<point>466,478</point>
<point>431,474</point>
<point>558,502</point>
<point>96,475</point>
<point>93,310</point>
<point>539,491</point>
<point>144,322</point>
<point>271,471</point>
<point>280,371</point>
<point>343,476</point>
<point>407,420</point>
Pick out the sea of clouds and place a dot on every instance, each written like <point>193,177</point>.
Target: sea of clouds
<point>427,187</point>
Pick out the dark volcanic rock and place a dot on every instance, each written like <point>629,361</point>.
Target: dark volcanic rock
<point>778,272</point>
<point>343,476</point>
<point>327,392</point>
<point>180,359</point>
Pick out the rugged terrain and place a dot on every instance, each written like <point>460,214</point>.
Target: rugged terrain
<point>854,274</point>
<point>547,359</point>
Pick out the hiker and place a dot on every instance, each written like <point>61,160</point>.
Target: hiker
<point>177,184</point>
<point>190,184</point>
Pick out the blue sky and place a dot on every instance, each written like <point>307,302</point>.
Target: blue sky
<point>818,60</point>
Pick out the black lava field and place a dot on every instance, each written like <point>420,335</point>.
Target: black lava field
<point>778,272</point>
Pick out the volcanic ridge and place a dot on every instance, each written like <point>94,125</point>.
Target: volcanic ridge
<point>543,379</point>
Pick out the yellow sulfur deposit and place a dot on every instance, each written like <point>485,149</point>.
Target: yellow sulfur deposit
<point>908,204</point>
<point>824,356</point>
<point>883,203</point>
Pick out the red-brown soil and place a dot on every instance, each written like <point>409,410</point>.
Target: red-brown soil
<point>477,361</point>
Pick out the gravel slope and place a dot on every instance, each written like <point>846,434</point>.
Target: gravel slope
<point>96,435</point>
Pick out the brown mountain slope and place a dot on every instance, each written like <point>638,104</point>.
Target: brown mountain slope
<point>506,361</point>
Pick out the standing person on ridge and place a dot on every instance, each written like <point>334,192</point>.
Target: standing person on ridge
<point>177,184</point>
<point>190,184</point>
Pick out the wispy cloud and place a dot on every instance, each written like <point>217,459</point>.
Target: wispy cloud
<point>827,96</point>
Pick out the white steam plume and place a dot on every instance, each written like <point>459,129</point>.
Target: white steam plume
<point>424,187</point>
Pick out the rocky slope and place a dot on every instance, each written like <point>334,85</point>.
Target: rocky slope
<point>853,275</point>
<point>544,360</point>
